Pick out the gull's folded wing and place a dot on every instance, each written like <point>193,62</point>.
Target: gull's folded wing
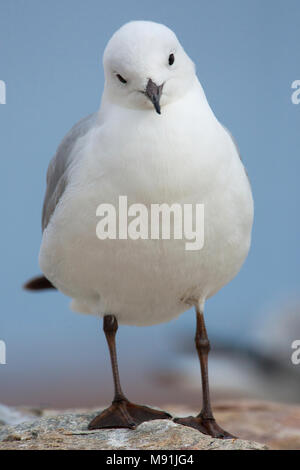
<point>57,174</point>
<point>57,180</point>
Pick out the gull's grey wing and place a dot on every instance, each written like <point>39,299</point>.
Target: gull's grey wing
<point>57,174</point>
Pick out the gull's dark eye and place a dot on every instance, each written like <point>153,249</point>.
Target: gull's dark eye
<point>171,59</point>
<point>121,78</point>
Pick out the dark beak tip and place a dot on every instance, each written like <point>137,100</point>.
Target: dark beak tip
<point>157,108</point>
<point>153,92</point>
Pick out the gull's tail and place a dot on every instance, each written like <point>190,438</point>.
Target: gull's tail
<point>38,283</point>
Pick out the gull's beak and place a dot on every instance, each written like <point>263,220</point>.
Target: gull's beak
<point>153,92</point>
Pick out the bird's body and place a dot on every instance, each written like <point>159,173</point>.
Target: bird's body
<point>182,156</point>
<point>178,155</point>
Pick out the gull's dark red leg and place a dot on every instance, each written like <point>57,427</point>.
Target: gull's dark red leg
<point>122,413</point>
<point>204,421</point>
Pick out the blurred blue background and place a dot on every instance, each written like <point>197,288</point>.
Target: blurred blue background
<point>247,56</point>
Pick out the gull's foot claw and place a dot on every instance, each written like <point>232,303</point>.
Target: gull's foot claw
<point>124,414</point>
<point>206,426</point>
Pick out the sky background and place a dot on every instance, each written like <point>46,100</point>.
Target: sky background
<point>247,56</point>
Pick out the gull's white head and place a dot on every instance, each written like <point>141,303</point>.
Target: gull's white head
<point>146,66</point>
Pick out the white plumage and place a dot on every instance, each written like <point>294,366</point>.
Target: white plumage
<point>182,156</point>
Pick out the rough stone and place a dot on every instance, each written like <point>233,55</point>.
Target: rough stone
<point>276,425</point>
<point>69,431</point>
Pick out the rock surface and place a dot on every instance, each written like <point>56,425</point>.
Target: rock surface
<point>69,431</point>
<point>273,424</point>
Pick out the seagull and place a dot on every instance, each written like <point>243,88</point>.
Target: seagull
<point>155,140</point>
